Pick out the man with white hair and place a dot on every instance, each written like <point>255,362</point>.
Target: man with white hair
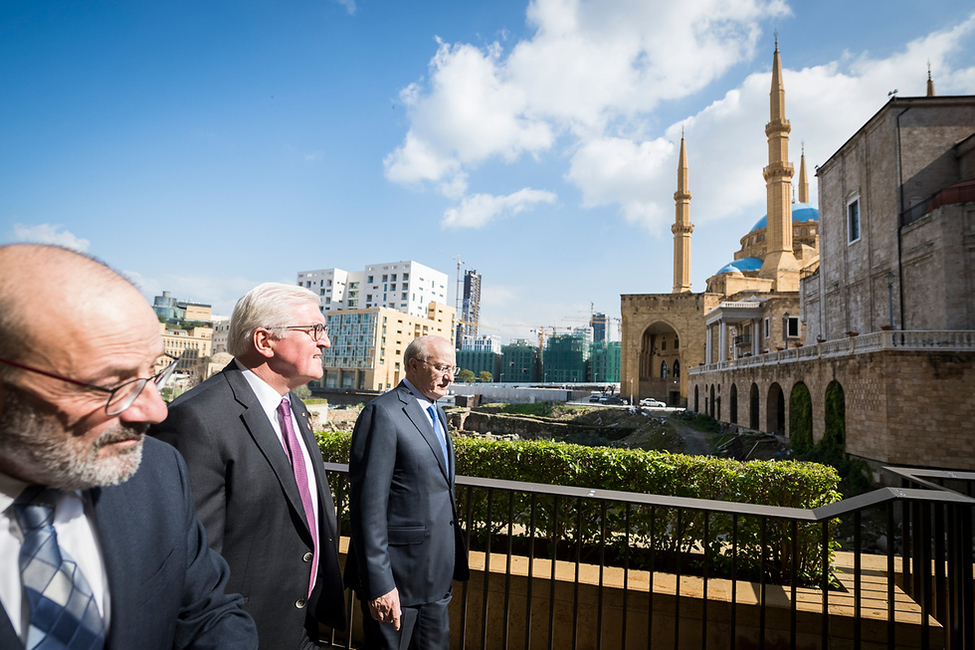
<point>100,547</point>
<point>256,471</point>
<point>407,545</point>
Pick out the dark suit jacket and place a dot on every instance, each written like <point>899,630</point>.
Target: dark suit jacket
<point>405,531</point>
<point>166,586</point>
<point>248,501</point>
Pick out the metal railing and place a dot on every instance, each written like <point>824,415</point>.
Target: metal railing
<point>588,576</point>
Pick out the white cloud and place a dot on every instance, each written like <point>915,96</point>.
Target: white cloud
<point>220,292</point>
<point>589,64</point>
<point>46,233</point>
<point>478,210</point>
<point>349,6</point>
<point>595,72</point>
<point>726,143</point>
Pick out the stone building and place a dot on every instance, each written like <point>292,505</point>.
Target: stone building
<point>750,305</point>
<point>888,360</point>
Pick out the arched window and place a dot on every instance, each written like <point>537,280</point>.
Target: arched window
<point>663,369</point>
<point>676,342</point>
<point>676,368</point>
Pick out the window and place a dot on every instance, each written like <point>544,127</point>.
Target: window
<point>793,327</point>
<point>369,279</point>
<point>385,278</point>
<point>406,276</point>
<point>766,328</point>
<point>663,344</point>
<point>392,278</point>
<point>663,369</point>
<point>853,220</point>
<point>676,342</point>
<point>676,369</point>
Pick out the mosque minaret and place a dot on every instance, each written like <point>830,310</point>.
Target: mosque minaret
<point>682,227</point>
<point>780,264</point>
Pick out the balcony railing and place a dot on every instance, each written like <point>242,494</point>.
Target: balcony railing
<point>566,567</point>
<point>946,341</point>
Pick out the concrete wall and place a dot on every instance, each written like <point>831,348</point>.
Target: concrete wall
<point>518,394</point>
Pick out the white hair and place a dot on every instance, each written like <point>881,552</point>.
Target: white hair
<point>267,305</point>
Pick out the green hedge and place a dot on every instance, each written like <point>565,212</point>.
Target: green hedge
<point>658,533</point>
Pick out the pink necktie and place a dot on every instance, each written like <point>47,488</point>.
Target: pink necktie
<point>301,478</point>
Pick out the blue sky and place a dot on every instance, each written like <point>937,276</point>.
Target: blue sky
<point>205,147</point>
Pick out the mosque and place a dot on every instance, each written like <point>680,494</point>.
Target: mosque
<point>851,325</point>
<point>744,309</point>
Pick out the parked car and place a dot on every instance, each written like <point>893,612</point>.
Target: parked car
<point>651,402</point>
<point>613,399</point>
<point>595,397</point>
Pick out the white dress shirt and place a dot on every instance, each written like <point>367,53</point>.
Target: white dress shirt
<point>76,535</point>
<point>425,404</point>
<point>270,400</point>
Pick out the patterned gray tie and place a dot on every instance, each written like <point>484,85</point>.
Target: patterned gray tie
<point>63,612</point>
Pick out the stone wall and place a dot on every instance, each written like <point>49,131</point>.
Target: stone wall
<point>683,313</point>
<point>902,407</point>
<point>526,428</point>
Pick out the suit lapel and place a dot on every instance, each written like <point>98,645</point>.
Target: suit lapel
<point>115,536</point>
<point>255,421</point>
<point>419,418</point>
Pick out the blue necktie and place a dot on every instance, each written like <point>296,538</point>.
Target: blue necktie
<point>63,613</point>
<point>432,410</point>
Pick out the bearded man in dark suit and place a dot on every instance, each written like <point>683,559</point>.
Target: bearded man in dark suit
<point>100,546</point>
<point>406,539</point>
<point>257,473</point>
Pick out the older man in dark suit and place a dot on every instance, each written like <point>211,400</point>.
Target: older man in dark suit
<point>406,539</point>
<point>257,473</point>
<point>100,546</point>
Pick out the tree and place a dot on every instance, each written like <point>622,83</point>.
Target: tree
<point>303,392</point>
<point>466,376</point>
<point>485,376</point>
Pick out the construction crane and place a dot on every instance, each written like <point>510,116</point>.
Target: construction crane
<point>460,263</point>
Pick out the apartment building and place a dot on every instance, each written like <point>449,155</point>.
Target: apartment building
<point>368,344</point>
<point>408,287</point>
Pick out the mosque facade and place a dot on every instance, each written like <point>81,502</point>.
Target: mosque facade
<point>852,325</point>
<point>743,310</point>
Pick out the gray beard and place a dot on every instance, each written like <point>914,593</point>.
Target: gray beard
<point>37,443</point>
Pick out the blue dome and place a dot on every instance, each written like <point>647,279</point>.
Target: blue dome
<point>744,264</point>
<point>800,212</point>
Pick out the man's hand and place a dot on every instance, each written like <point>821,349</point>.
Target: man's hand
<point>385,609</point>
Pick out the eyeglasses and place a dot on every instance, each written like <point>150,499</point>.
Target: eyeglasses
<point>442,369</point>
<point>316,331</point>
<point>120,397</point>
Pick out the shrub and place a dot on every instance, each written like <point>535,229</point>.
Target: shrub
<point>666,533</point>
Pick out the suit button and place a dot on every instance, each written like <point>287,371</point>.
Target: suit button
<point>300,603</point>
<point>307,557</point>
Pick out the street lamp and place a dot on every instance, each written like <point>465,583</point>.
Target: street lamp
<point>890,296</point>
<point>785,330</point>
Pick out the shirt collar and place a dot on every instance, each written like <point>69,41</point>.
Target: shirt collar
<point>269,398</point>
<point>420,397</point>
